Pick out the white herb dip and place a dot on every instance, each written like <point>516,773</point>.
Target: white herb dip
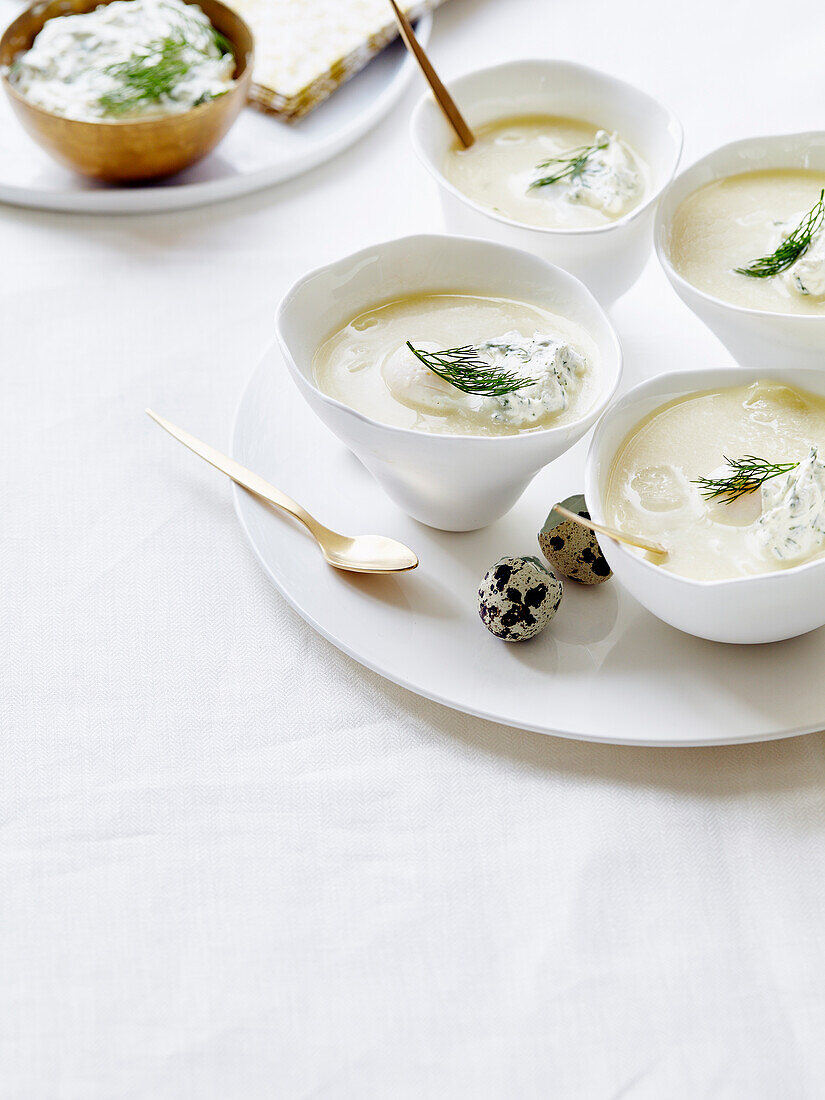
<point>557,371</point>
<point>552,368</point>
<point>791,527</point>
<point>608,179</point>
<point>125,59</point>
<point>807,275</point>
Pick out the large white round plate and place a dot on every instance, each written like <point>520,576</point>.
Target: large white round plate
<point>258,151</point>
<point>604,670</point>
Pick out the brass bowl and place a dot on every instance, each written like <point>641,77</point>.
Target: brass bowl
<point>129,150</point>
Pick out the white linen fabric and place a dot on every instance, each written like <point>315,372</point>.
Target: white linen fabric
<point>234,863</point>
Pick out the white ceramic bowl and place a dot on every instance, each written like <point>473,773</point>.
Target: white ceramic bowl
<point>755,337</point>
<point>607,258</point>
<point>452,482</point>
<point>763,608</point>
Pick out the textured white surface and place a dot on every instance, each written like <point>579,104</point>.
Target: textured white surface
<point>236,865</point>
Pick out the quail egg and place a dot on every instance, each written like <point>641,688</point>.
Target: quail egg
<point>571,549</point>
<point>518,597</point>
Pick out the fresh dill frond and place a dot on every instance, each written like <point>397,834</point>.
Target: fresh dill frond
<point>796,244</point>
<point>569,166</point>
<point>746,475</point>
<point>467,371</point>
<point>223,43</point>
<point>156,70</point>
<point>146,77</point>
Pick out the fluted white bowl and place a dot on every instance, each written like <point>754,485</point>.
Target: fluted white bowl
<point>608,258</point>
<point>754,337</point>
<point>452,482</point>
<point>766,607</point>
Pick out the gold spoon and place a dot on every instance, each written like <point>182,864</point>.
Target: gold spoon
<point>619,536</point>
<point>443,98</point>
<point>359,554</point>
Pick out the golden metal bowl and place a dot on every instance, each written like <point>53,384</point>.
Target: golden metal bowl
<point>129,150</point>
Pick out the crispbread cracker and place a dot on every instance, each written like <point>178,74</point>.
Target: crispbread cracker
<point>305,49</point>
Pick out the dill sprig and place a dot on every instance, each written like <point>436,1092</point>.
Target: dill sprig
<point>746,475</point>
<point>223,43</point>
<point>147,76</point>
<point>154,72</point>
<point>467,371</point>
<point>570,165</point>
<point>796,244</point>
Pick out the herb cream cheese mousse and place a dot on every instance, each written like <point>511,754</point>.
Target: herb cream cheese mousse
<point>549,171</point>
<point>125,60</point>
<point>731,481</point>
<point>459,364</point>
<point>756,239</point>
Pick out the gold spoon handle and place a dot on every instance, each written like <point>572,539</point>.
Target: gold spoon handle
<point>620,536</point>
<point>240,475</point>
<point>443,98</point>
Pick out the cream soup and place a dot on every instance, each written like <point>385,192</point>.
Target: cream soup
<point>661,479</point>
<point>480,366</point>
<point>548,171</point>
<point>732,223</point>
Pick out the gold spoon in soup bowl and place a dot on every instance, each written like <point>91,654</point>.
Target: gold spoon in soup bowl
<point>443,98</point>
<point>354,553</point>
<point>612,532</point>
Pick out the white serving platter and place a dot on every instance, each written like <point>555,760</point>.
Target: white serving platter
<point>604,670</point>
<point>258,151</point>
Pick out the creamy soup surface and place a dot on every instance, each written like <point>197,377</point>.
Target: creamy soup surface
<point>731,222</point>
<point>652,488</point>
<point>368,365</point>
<point>509,156</point>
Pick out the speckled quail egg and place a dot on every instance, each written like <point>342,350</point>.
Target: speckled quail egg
<point>517,598</point>
<point>571,549</point>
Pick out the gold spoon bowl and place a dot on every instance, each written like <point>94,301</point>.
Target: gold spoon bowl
<point>128,150</point>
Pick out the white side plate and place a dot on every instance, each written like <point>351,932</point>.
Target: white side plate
<point>604,670</point>
<point>257,152</point>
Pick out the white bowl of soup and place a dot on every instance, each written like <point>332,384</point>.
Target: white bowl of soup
<point>722,468</point>
<point>741,237</point>
<point>525,362</point>
<point>568,163</point>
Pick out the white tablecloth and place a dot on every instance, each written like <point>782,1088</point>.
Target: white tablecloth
<point>235,864</point>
